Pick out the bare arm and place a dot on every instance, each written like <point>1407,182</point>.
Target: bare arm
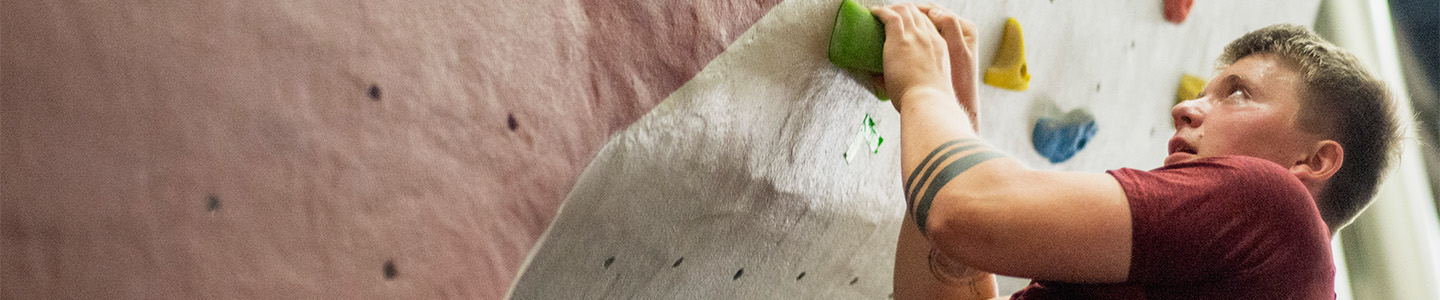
<point>921,271</point>
<point>971,202</point>
<point>991,212</point>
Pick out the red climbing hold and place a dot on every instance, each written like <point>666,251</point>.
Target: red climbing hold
<point>1176,10</point>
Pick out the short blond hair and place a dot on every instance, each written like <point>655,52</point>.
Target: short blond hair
<point>1341,101</point>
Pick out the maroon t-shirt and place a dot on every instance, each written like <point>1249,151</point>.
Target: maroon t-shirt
<point>1230,227</point>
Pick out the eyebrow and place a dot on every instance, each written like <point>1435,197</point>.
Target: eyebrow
<point>1246,85</point>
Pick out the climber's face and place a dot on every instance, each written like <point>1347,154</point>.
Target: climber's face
<point>1249,109</point>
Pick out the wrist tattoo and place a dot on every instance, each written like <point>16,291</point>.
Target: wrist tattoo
<point>918,203</point>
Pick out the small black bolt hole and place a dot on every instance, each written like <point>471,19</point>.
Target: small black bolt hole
<point>390,271</point>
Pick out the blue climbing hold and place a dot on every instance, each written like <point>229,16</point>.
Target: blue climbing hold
<point>1058,139</point>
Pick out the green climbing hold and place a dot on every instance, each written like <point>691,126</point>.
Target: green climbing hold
<point>858,40</point>
<point>857,43</point>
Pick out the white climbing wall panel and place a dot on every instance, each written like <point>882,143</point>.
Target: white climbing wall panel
<point>736,186</point>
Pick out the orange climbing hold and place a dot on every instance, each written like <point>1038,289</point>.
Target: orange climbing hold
<point>1177,10</point>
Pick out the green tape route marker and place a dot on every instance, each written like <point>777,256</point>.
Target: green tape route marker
<point>866,136</point>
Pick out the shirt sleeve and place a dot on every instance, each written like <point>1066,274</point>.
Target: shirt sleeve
<point>1219,218</point>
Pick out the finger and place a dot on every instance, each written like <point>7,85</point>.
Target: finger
<point>891,19</point>
<point>906,14</point>
<point>922,23</point>
<point>923,29</point>
<point>927,7</point>
<point>937,15</point>
<point>956,31</point>
<point>945,23</point>
<point>949,27</point>
<point>972,39</point>
<point>928,32</point>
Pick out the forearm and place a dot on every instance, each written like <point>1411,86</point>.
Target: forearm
<point>930,119</point>
<point>938,143</point>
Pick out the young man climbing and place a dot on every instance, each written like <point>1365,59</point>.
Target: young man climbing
<point>1283,148</point>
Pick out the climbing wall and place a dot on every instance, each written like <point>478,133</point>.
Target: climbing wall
<point>319,149</point>
<point>747,183</point>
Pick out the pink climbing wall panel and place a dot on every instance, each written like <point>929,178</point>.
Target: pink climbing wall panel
<point>315,149</point>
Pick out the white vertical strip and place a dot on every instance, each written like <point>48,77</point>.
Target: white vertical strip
<point>1414,220</point>
<point>1401,230</point>
<point>1342,275</point>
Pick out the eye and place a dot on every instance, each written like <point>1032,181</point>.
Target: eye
<point>1236,93</point>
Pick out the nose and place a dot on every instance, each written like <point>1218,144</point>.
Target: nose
<point>1190,113</point>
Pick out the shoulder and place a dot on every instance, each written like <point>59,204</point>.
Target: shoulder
<point>1221,192</point>
<point>1224,217</point>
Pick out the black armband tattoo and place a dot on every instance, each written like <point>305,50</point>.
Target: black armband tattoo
<point>911,186</point>
<point>921,202</point>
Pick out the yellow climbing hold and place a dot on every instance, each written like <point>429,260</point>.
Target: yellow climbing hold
<point>1008,69</point>
<point>1190,87</point>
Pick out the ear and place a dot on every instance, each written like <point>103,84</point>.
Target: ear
<point>1323,162</point>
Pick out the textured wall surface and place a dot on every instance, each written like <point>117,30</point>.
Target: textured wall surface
<point>305,149</point>
<point>418,149</point>
<point>736,186</point>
